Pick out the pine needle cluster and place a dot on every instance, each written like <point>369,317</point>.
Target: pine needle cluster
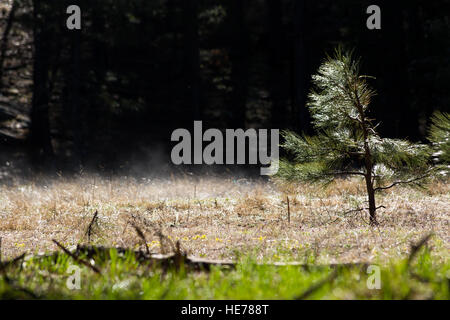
<point>439,135</point>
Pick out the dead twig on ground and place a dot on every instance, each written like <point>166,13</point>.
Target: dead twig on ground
<point>416,247</point>
<point>91,224</point>
<point>206,264</point>
<point>8,281</point>
<point>87,264</point>
<point>142,236</point>
<point>289,210</point>
<point>16,287</point>
<point>163,239</point>
<point>315,287</point>
<point>6,264</point>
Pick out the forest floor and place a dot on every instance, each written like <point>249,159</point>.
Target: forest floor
<point>219,218</point>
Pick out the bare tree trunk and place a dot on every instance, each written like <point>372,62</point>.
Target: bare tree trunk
<point>192,57</point>
<point>397,87</point>
<point>299,68</point>
<point>275,62</point>
<point>75,102</point>
<point>97,122</point>
<point>5,38</point>
<point>40,139</point>
<point>240,61</point>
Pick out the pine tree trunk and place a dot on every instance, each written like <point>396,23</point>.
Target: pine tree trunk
<point>371,196</point>
<point>368,176</point>
<point>368,161</point>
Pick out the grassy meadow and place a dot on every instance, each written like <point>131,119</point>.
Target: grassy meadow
<point>247,222</point>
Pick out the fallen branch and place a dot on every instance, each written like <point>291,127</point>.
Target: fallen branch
<point>317,286</point>
<point>19,288</point>
<point>142,236</point>
<point>87,264</point>
<point>176,259</point>
<point>416,247</point>
<point>6,264</point>
<point>201,263</point>
<point>7,280</point>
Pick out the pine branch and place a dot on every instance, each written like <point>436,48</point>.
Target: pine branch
<point>401,182</point>
<point>355,173</point>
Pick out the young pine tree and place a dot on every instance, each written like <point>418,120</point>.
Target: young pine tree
<point>346,141</point>
<point>440,138</point>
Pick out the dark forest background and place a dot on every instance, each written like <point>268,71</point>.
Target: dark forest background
<point>109,96</point>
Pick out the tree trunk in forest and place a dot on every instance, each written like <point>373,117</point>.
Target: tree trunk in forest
<point>240,63</point>
<point>75,104</point>
<point>420,52</point>
<point>96,121</point>
<point>300,113</point>
<point>172,59</point>
<point>40,138</point>
<point>276,66</point>
<point>192,58</point>
<point>5,38</point>
<point>397,87</point>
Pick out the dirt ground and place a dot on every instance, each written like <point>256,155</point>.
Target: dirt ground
<point>221,218</point>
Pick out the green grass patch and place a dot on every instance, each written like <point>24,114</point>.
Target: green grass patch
<point>123,276</point>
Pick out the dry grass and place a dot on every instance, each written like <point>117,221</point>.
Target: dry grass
<point>215,218</point>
